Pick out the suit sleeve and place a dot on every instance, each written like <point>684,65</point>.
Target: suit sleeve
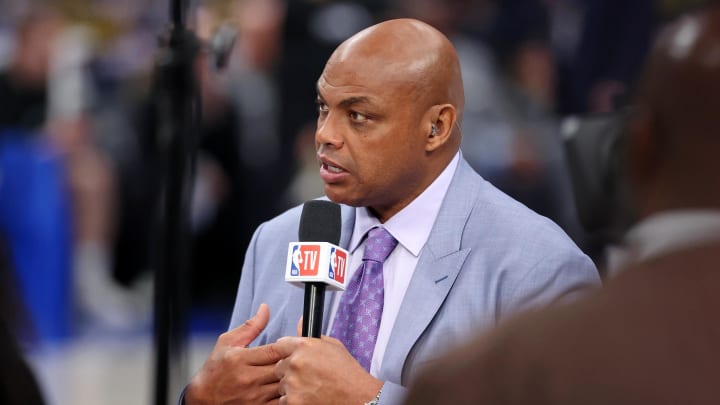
<point>243,309</point>
<point>392,394</point>
<point>559,276</point>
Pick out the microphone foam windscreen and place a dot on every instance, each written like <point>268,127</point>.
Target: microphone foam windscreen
<point>320,222</point>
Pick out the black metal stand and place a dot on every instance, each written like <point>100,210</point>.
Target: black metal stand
<point>178,116</point>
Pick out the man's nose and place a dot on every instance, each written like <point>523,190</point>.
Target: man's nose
<point>328,134</point>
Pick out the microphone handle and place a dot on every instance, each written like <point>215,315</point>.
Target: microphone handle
<point>313,309</point>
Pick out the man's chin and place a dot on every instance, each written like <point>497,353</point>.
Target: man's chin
<point>341,198</point>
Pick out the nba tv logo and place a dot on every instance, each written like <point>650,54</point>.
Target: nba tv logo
<point>305,260</point>
<point>338,261</point>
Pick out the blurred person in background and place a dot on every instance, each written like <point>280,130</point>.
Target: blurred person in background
<point>311,30</point>
<point>34,207</point>
<point>65,205</point>
<point>23,82</point>
<point>651,335</point>
<point>250,81</point>
<point>602,72</point>
<point>103,304</point>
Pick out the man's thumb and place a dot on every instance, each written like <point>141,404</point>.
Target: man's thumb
<point>244,334</point>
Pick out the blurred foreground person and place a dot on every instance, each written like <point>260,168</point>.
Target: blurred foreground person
<point>18,385</point>
<point>452,253</point>
<point>651,336</point>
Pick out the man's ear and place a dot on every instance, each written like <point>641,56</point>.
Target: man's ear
<point>642,145</point>
<point>439,124</point>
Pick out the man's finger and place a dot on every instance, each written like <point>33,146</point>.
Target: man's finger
<point>332,340</point>
<point>269,392</point>
<point>299,326</point>
<point>265,375</point>
<point>285,346</point>
<point>244,334</point>
<point>265,355</point>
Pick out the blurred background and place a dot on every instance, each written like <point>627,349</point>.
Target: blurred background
<point>79,158</point>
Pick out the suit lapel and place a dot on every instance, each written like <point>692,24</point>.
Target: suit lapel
<point>438,266</point>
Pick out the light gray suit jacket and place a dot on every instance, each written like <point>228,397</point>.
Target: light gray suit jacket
<point>487,256</point>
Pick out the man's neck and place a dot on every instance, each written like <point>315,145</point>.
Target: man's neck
<point>383,215</point>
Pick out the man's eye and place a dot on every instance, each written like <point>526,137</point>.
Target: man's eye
<point>322,107</point>
<point>357,117</point>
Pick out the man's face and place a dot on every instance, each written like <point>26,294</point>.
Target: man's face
<point>369,140</point>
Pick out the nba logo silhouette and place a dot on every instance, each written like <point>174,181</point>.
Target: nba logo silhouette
<point>296,261</point>
<point>338,260</point>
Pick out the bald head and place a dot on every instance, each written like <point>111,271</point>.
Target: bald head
<point>682,80</point>
<point>390,102</point>
<point>675,148</point>
<point>409,54</point>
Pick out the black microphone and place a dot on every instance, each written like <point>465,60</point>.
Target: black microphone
<point>319,222</point>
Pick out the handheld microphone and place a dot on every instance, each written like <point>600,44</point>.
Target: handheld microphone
<point>316,261</point>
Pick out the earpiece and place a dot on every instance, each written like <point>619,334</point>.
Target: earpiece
<point>433,130</point>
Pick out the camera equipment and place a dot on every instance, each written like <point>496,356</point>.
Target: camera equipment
<point>594,150</point>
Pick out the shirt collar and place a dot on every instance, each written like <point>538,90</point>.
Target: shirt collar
<point>670,231</point>
<point>411,226</point>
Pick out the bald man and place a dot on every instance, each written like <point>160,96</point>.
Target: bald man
<point>390,104</point>
<point>652,336</point>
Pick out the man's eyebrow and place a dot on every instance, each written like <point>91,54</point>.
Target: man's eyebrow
<point>346,102</point>
<point>353,100</point>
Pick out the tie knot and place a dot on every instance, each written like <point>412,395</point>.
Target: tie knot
<point>379,245</point>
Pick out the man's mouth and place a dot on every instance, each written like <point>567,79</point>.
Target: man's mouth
<point>331,168</point>
<point>330,173</point>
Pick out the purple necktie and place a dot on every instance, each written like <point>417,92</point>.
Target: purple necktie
<point>358,317</point>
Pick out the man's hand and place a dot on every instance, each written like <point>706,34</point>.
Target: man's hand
<point>234,374</point>
<point>321,371</point>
